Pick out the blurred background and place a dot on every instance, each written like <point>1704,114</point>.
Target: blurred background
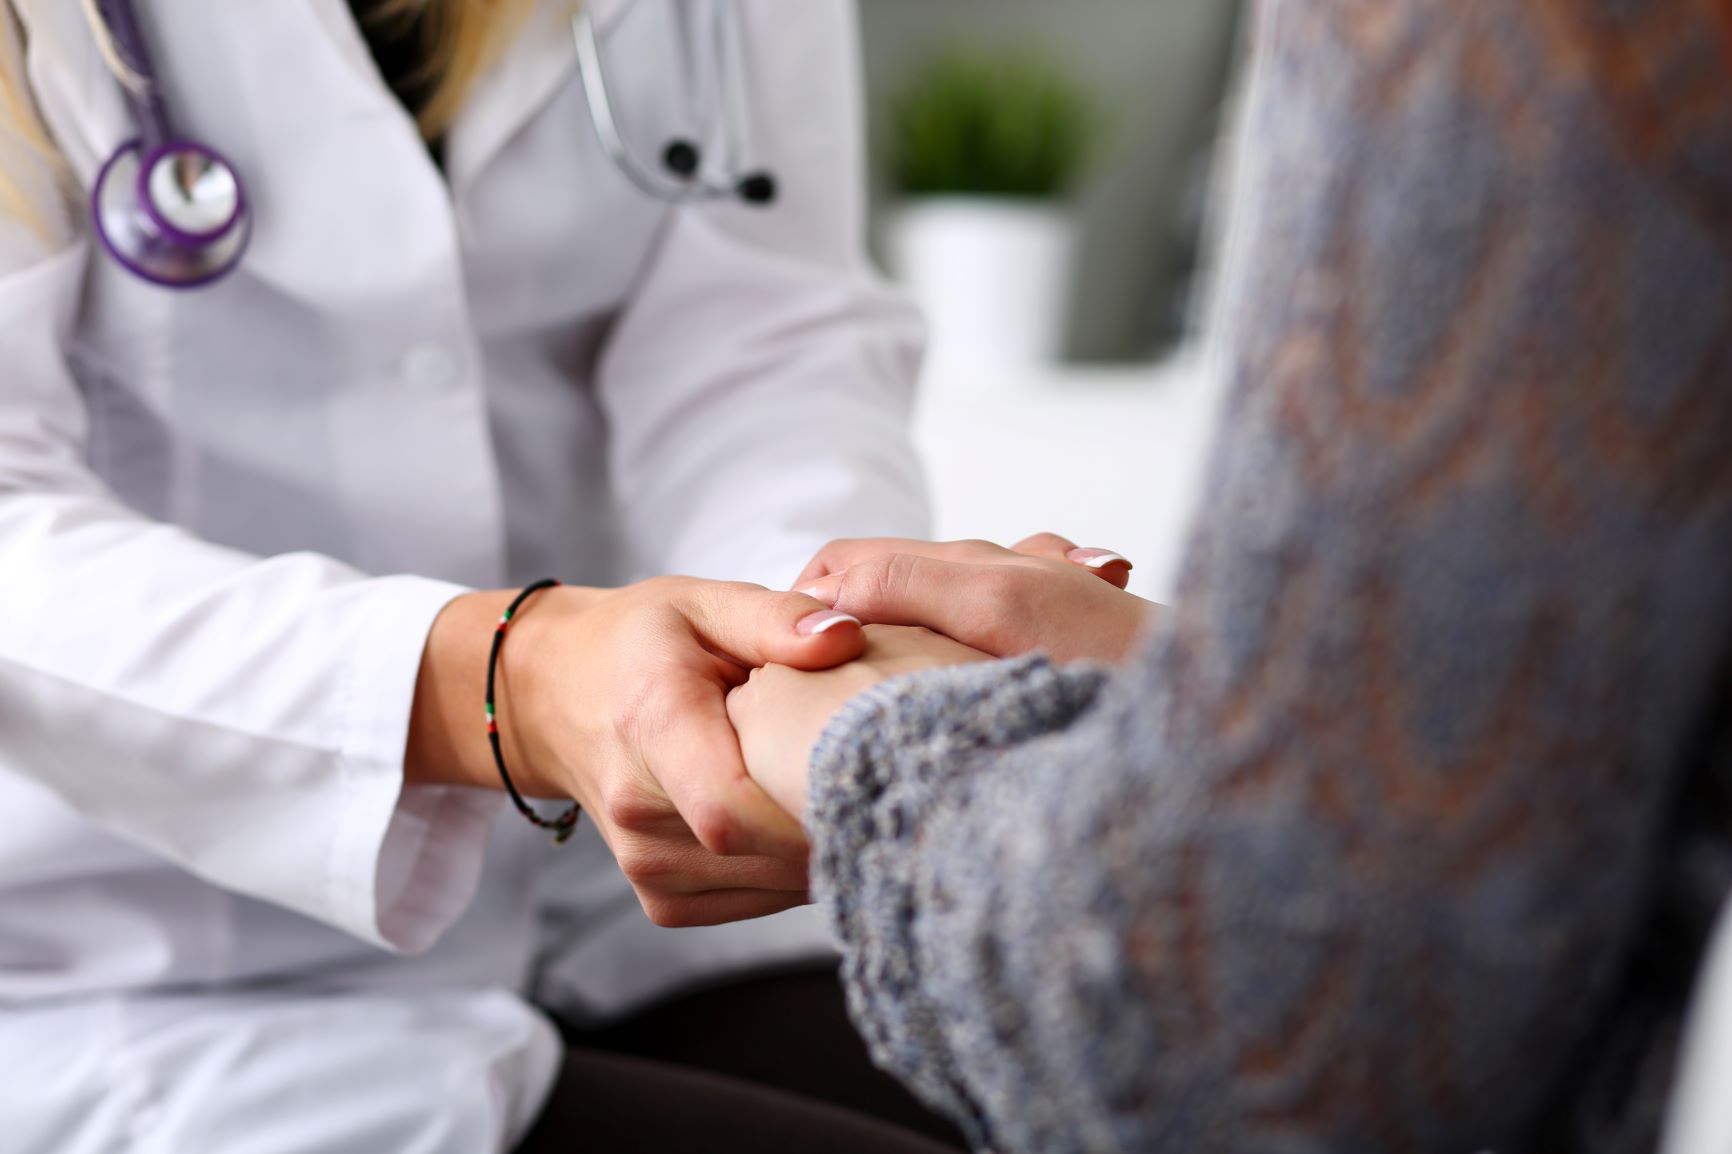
<point>1049,184</point>
<point>1151,78</point>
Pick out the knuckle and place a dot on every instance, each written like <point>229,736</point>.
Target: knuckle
<point>846,553</point>
<point>1005,606</point>
<point>1008,599</point>
<point>896,577</point>
<point>776,608</point>
<point>976,550</point>
<point>861,589</point>
<point>662,588</point>
<point>631,811</point>
<point>665,910</point>
<point>1045,543</point>
<point>1007,587</point>
<point>713,826</point>
<point>641,866</point>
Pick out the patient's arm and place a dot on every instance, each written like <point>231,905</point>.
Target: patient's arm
<point>779,712</point>
<point>1355,853</point>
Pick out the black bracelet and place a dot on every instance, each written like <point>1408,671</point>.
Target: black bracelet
<point>565,823</point>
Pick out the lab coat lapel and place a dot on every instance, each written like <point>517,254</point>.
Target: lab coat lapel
<point>338,21</point>
<point>520,83</point>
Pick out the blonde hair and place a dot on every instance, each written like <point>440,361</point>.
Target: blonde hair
<point>20,124</point>
<point>458,40</point>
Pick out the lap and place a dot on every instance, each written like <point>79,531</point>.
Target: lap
<point>770,1064</point>
<point>628,1105</point>
<point>774,1053</point>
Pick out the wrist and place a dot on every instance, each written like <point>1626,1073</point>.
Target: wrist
<point>533,684</point>
<point>448,743</point>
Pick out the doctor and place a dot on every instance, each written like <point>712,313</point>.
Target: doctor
<point>264,494</point>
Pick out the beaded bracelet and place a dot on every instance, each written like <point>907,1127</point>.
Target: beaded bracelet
<point>563,825</point>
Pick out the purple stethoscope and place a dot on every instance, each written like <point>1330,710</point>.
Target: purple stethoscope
<point>171,210</point>
<point>174,211</point>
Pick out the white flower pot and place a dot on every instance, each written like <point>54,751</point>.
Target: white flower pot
<point>993,276</point>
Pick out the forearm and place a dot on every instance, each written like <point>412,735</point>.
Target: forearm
<point>241,717</point>
<point>890,805</point>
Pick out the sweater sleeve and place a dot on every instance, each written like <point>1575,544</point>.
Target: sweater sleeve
<point>1352,856</point>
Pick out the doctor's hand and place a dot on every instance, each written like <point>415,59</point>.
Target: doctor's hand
<point>781,712</point>
<point>617,699</point>
<point>1043,594</point>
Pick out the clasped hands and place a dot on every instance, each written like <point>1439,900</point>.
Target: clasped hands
<point>925,605</point>
<point>681,714</point>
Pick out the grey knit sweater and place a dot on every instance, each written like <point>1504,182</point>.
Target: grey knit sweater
<point>1404,834</point>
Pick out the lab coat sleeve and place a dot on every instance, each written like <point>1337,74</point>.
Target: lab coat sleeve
<point>242,717</point>
<point>758,384</point>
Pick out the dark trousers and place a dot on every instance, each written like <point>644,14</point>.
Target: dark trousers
<point>767,1066</point>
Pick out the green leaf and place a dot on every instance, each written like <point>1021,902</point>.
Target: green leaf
<point>973,123</point>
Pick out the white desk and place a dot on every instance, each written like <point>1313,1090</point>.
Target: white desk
<point>1107,457</point>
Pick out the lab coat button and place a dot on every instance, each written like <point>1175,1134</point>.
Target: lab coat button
<point>429,366</point>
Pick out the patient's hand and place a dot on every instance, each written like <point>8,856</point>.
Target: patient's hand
<point>780,712</point>
<point>1005,602</point>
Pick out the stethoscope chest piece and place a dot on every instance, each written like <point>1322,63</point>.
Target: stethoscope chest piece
<point>176,215</point>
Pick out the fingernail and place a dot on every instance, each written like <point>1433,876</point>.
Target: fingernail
<point>1098,558</point>
<point>825,589</point>
<point>822,622</point>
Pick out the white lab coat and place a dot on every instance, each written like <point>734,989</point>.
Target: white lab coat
<point>229,516</point>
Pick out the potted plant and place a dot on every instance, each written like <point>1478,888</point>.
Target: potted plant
<point>983,151</point>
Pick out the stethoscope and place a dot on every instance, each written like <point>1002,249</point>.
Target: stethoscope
<point>174,211</point>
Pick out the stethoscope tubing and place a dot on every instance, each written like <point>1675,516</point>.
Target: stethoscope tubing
<point>592,72</point>
<point>139,85</point>
<point>131,225</point>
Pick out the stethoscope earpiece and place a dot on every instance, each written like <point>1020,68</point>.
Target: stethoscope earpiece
<point>682,158</point>
<point>757,189</point>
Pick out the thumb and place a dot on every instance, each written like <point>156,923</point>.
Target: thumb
<point>753,626</point>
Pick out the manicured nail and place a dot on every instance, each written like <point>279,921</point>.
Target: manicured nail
<point>1098,558</point>
<point>822,622</point>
